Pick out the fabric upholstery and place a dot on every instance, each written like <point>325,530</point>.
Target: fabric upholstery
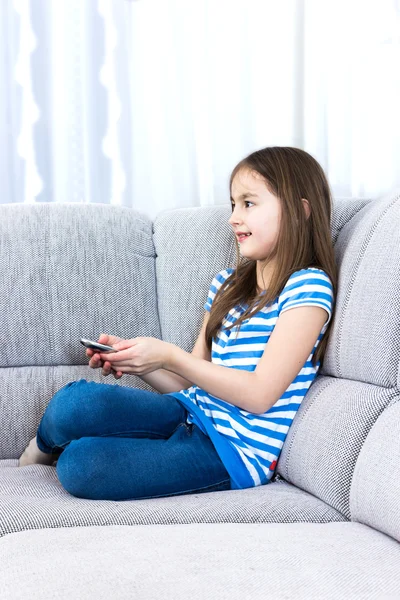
<point>33,498</point>
<point>192,245</point>
<point>360,373</point>
<point>375,489</point>
<point>26,391</point>
<point>329,429</point>
<point>67,271</point>
<point>169,279</point>
<point>365,341</point>
<point>226,560</point>
<point>71,271</point>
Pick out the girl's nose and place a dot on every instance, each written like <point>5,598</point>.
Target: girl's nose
<point>233,218</point>
<point>234,221</point>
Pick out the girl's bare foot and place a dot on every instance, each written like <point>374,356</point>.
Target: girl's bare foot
<point>33,456</point>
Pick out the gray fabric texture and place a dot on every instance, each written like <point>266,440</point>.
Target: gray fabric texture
<point>325,438</point>
<point>31,389</point>
<point>190,246</point>
<point>365,339</point>
<point>69,271</point>
<point>33,498</point>
<point>223,561</point>
<point>66,271</point>
<point>375,489</point>
<point>360,373</point>
<point>344,210</point>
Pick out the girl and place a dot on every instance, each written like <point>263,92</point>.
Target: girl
<point>223,411</point>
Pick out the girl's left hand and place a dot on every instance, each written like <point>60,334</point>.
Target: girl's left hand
<point>139,356</point>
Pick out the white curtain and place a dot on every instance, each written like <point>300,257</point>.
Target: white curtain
<point>151,103</point>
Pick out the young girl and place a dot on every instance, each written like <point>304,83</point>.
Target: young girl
<point>224,410</point>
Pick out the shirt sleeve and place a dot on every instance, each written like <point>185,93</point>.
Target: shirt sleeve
<point>214,287</point>
<point>308,288</point>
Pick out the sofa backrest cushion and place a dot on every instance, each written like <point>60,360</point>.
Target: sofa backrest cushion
<point>375,489</point>
<point>67,271</point>
<point>192,245</point>
<point>365,341</point>
<point>360,374</point>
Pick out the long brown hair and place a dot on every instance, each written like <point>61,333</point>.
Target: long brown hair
<point>290,174</point>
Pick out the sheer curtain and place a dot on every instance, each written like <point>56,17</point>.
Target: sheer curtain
<point>150,103</point>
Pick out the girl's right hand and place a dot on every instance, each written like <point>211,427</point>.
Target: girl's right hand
<point>95,361</point>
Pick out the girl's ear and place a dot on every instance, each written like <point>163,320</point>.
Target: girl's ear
<point>306,205</point>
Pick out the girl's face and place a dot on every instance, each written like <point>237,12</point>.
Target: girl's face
<point>255,211</point>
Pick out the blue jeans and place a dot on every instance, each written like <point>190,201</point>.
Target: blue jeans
<point>121,443</point>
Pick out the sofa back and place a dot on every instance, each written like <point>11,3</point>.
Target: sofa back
<point>67,271</point>
<point>360,375</point>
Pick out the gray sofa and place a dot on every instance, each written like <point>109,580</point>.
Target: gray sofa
<point>327,526</point>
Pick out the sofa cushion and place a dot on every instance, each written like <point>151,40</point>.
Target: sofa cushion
<point>365,341</point>
<point>325,438</point>
<point>360,374</point>
<point>375,489</point>
<point>32,497</point>
<point>235,561</point>
<point>70,271</point>
<point>67,271</point>
<point>192,245</point>
<point>344,210</point>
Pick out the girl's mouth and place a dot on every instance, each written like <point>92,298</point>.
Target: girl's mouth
<point>241,238</point>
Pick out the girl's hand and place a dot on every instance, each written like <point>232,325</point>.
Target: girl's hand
<point>139,356</point>
<point>96,362</point>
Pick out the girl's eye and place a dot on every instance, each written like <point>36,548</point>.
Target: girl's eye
<point>246,202</point>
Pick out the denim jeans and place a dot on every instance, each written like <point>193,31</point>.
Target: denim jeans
<point>121,443</point>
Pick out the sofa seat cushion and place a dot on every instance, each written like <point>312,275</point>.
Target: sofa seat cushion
<point>235,561</point>
<point>32,497</point>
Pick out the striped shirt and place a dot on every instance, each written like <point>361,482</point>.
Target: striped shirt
<point>249,444</point>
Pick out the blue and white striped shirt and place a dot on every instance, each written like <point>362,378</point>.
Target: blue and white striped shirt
<point>249,444</point>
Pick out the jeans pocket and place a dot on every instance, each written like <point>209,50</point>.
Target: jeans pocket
<point>181,426</point>
<point>189,428</point>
